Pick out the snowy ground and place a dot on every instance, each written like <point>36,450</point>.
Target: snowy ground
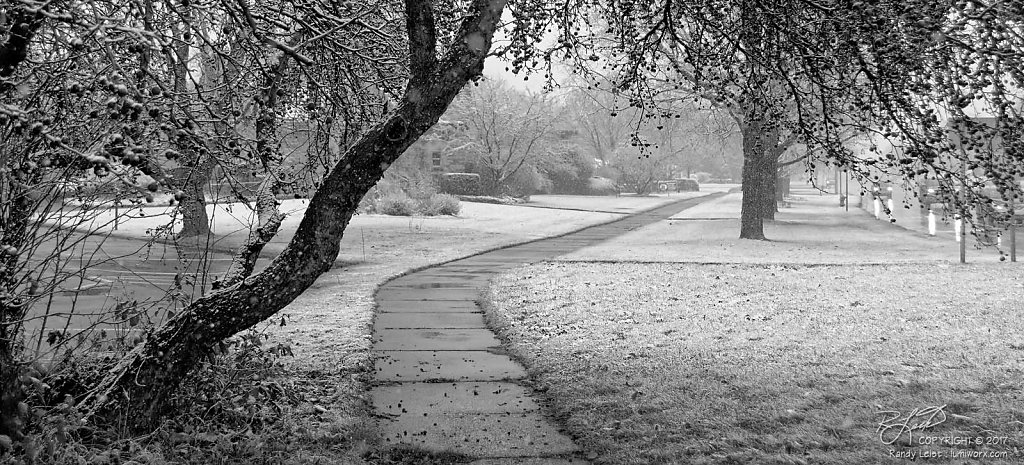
<point>813,229</point>
<point>626,203</point>
<point>678,342</point>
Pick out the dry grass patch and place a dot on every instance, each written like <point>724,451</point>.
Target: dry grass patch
<point>686,363</point>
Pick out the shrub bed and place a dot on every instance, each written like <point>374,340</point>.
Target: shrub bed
<point>440,204</point>
<point>400,204</point>
<point>395,205</point>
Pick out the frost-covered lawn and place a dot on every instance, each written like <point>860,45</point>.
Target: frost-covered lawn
<point>756,363</point>
<point>625,203</point>
<point>813,229</point>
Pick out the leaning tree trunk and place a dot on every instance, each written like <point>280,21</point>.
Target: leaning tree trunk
<point>144,378</point>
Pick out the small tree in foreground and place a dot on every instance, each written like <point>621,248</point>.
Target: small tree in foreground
<point>445,51</point>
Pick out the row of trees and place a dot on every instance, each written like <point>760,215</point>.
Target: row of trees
<point>900,73</point>
<point>155,93</point>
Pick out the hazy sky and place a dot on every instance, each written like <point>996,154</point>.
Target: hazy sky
<point>494,67</point>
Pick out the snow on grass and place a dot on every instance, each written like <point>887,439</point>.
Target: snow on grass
<point>688,363</point>
<point>812,230</point>
<point>627,203</point>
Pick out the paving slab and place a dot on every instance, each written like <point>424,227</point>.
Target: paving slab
<point>431,282</point>
<point>429,306</point>
<point>480,435</point>
<point>434,339</point>
<point>429,320</point>
<point>390,293</point>
<point>459,365</point>
<point>426,399</point>
<point>529,461</point>
<point>447,274</point>
<point>480,267</point>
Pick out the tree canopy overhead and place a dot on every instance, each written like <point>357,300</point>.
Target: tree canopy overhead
<point>904,74</point>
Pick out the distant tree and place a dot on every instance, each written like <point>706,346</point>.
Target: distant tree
<point>569,170</point>
<point>601,132</point>
<point>507,130</point>
<point>645,148</point>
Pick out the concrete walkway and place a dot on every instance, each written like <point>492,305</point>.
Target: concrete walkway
<point>443,383</point>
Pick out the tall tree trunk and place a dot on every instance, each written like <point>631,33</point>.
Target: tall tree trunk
<point>769,205</point>
<point>755,179</point>
<point>150,371</point>
<point>194,220</point>
<point>191,179</point>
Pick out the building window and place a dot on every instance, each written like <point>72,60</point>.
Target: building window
<point>436,160</point>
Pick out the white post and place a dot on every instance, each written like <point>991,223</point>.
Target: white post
<point>892,206</point>
<point>931,222</point>
<point>957,226</point>
<point>878,209</point>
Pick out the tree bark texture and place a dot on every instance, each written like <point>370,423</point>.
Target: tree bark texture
<point>758,173</point>
<point>150,371</point>
<point>769,205</point>
<point>195,222</point>
<point>191,179</point>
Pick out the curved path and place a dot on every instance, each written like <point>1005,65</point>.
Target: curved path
<point>443,382</point>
